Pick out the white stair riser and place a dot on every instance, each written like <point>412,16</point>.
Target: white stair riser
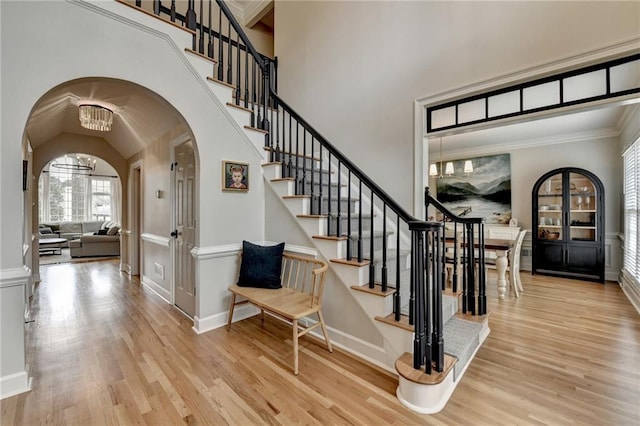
<point>272,171</point>
<point>297,205</point>
<point>399,339</point>
<point>374,305</point>
<point>242,117</point>
<point>352,275</point>
<point>283,187</point>
<point>257,138</point>
<point>331,249</point>
<point>203,66</point>
<point>314,225</point>
<point>224,93</point>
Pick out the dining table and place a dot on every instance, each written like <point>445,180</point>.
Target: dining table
<point>501,247</point>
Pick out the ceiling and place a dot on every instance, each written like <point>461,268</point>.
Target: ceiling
<point>140,116</point>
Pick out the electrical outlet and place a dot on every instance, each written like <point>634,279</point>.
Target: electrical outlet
<point>159,270</point>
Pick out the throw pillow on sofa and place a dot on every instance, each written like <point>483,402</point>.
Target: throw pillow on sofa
<point>113,230</point>
<point>101,232</point>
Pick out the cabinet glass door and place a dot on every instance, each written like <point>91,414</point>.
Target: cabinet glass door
<point>583,208</point>
<point>550,209</point>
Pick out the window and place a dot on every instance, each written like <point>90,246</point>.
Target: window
<point>100,199</point>
<point>632,211</point>
<point>69,190</point>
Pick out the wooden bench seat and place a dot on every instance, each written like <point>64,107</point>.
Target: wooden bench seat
<point>302,282</point>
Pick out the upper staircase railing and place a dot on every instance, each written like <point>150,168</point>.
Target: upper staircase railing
<point>373,225</point>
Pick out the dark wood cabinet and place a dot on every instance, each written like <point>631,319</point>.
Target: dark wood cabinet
<point>568,225</point>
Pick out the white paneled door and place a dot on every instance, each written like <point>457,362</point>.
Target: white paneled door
<point>185,231</point>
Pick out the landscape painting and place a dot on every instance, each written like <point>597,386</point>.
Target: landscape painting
<point>485,192</point>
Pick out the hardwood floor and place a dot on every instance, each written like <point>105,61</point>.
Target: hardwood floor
<point>103,350</point>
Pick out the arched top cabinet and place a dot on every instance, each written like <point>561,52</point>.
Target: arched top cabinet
<point>568,224</point>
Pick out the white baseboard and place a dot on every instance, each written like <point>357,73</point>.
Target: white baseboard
<point>202,325</point>
<point>14,384</point>
<point>124,267</point>
<point>373,354</point>
<point>156,288</point>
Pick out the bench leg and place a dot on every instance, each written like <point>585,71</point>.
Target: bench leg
<point>324,331</point>
<point>232,305</point>
<point>295,347</point>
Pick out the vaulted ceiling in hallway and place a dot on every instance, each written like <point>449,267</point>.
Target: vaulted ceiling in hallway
<point>140,116</point>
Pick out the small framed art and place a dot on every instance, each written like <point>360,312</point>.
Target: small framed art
<point>235,176</point>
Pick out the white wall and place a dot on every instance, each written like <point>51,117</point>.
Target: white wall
<point>87,39</point>
<point>353,69</point>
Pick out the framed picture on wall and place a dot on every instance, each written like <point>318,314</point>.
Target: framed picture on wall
<point>235,176</point>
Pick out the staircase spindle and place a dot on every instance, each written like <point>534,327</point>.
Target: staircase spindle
<point>349,248</point>
<point>384,248</point>
<point>304,161</point>
<point>329,196</point>
<point>238,89</point>
<point>201,39</point>
<point>246,79</point>
<point>396,296</point>
<point>372,263</point>
<point>229,53</point>
<point>210,33</point>
<point>360,254</point>
<point>297,158</point>
<point>339,197</point>
<point>313,163</point>
<point>220,48</point>
<point>437,340</point>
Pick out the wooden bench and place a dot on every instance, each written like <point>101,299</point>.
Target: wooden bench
<point>302,282</point>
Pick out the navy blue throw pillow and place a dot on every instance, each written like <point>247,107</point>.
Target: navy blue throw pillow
<point>261,265</point>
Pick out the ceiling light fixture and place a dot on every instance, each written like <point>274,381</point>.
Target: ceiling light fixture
<point>81,164</point>
<point>95,117</point>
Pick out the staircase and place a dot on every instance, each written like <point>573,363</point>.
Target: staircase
<point>391,262</point>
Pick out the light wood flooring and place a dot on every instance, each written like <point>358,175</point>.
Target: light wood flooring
<point>103,350</point>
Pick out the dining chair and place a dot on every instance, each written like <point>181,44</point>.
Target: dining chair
<point>514,264</point>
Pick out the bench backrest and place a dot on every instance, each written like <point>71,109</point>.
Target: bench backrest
<point>304,274</point>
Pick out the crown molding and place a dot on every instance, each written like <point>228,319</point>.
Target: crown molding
<point>599,134</point>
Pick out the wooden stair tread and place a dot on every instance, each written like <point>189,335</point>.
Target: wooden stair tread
<point>271,163</point>
<point>153,15</point>
<point>224,83</point>
<point>404,367</point>
<point>283,180</point>
<point>312,216</point>
<point>296,196</point>
<point>203,56</point>
<point>240,107</point>
<point>391,320</point>
<point>330,237</point>
<point>350,262</point>
<point>268,148</point>
<point>377,290</point>
<point>266,132</point>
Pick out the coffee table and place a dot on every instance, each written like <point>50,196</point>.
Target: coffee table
<point>51,245</point>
